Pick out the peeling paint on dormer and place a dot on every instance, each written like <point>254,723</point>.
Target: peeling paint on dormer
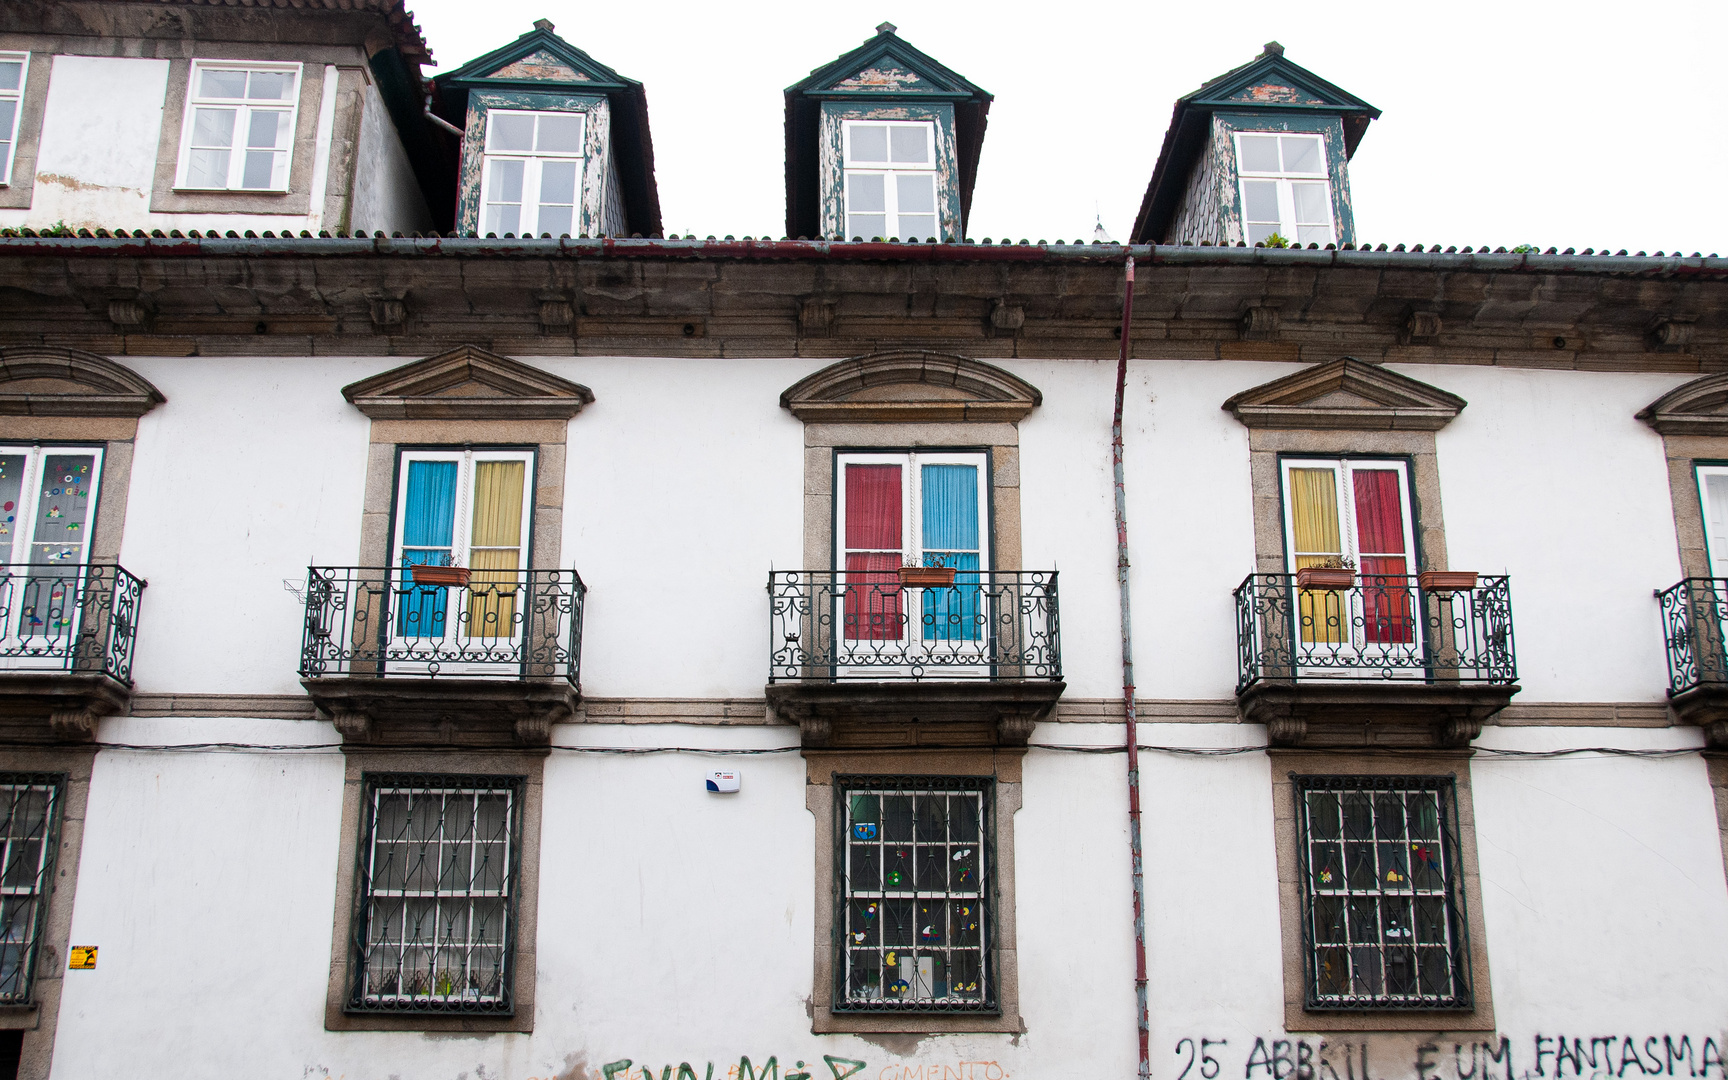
<point>540,66</point>
<point>882,78</point>
<point>1277,94</point>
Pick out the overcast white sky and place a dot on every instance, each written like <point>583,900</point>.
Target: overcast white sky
<point>1582,124</point>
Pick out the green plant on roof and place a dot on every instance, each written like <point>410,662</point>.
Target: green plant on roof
<point>1526,249</point>
<point>1276,240</point>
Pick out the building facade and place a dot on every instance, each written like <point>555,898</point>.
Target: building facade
<point>447,635</point>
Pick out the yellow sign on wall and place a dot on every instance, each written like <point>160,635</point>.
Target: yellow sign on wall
<point>83,958</point>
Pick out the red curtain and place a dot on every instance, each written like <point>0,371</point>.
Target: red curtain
<point>1387,612</point>
<point>873,601</point>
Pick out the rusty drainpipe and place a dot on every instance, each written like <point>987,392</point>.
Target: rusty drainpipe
<point>1133,732</point>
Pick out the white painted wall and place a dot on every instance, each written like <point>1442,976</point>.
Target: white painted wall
<point>386,195</point>
<point>100,129</point>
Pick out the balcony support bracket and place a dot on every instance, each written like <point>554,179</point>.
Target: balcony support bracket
<point>1706,706</point>
<point>922,713</point>
<point>56,707</point>
<point>1367,715</point>
<point>443,712</point>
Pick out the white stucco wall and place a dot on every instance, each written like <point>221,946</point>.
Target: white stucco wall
<point>100,129</point>
<point>387,197</point>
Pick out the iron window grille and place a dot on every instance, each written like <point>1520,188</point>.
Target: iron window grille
<point>434,930</point>
<point>915,897</point>
<point>1383,920</point>
<point>29,836</point>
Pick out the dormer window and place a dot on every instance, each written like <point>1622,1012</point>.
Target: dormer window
<point>533,172</point>
<point>240,128</point>
<point>1285,189</point>
<point>890,179</point>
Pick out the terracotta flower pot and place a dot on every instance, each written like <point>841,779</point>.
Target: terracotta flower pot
<point>1447,580</point>
<point>440,575</point>
<point>1325,577</point>
<point>927,575</point>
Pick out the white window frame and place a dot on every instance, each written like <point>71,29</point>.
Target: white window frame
<point>1288,227</point>
<point>888,171</point>
<point>243,111</point>
<point>1715,540</point>
<point>911,499</point>
<point>16,97</point>
<point>23,585</point>
<point>534,164</point>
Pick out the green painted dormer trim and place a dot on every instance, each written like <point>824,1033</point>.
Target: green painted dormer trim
<point>1269,92</point>
<point>540,70</point>
<point>886,78</point>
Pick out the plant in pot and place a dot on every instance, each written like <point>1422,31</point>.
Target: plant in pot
<point>1447,580</point>
<point>916,573</point>
<point>1331,572</point>
<point>439,574</point>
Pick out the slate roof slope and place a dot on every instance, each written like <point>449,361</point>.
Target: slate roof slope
<point>632,141</point>
<point>804,112</point>
<point>1190,125</point>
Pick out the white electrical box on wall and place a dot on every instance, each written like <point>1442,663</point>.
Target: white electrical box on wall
<point>725,781</point>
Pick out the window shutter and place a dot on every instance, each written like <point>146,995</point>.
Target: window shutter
<point>874,533</point>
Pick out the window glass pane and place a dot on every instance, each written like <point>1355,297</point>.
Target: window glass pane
<point>270,85</point>
<point>1257,233</point>
<point>866,226</point>
<point>509,131</point>
<point>909,145</point>
<point>11,71</point>
<point>1302,154</point>
<point>503,218</point>
<point>554,221</point>
<point>561,134</point>
<point>266,129</point>
<point>259,170</point>
<point>869,142</point>
<point>917,193</point>
<point>218,83</point>
<point>1259,153</point>
<point>207,169</point>
<point>213,127</point>
<point>8,109</point>
<point>1311,208</point>
<point>504,185</point>
<point>1260,200</point>
<point>917,226</point>
<point>1314,234</point>
<point>557,183</point>
<point>866,193</point>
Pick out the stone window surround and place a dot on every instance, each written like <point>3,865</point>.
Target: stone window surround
<point>15,195</point>
<point>1286,836</point>
<point>363,761</point>
<point>821,766</point>
<point>1267,449</point>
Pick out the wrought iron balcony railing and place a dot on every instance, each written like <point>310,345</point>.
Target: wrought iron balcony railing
<point>1382,628</point>
<point>831,625</point>
<point>80,618</point>
<point>1695,630</point>
<point>497,624</point>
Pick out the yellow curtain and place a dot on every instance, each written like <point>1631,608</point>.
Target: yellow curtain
<point>1314,521</point>
<point>495,555</point>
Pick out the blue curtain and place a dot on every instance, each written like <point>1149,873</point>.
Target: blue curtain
<point>428,526</point>
<point>950,523</point>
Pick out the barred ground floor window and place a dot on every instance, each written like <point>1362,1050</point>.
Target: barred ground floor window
<point>1383,921</point>
<point>29,835</point>
<point>434,927</point>
<point>914,894</point>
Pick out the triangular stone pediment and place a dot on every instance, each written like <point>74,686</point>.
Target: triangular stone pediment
<point>52,381</point>
<point>1272,80</point>
<point>1699,407</point>
<point>467,383</point>
<point>887,64</point>
<point>540,66</point>
<point>910,385</point>
<point>1347,395</point>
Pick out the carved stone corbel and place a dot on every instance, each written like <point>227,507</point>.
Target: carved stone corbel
<point>352,725</point>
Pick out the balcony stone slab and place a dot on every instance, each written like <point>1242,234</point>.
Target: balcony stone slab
<point>443,712</point>
<point>1707,706</point>
<point>1342,715</point>
<point>913,713</point>
<point>56,706</point>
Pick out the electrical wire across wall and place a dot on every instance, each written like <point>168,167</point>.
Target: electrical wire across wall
<point>748,751</point>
